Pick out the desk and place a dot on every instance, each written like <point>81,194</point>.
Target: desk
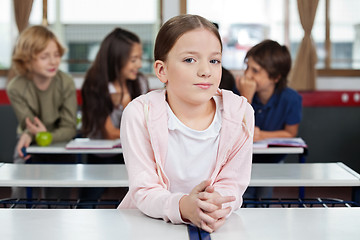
<point>245,223</point>
<point>62,224</point>
<point>63,175</point>
<point>291,224</point>
<point>303,174</point>
<point>59,148</point>
<point>115,175</point>
<point>279,150</point>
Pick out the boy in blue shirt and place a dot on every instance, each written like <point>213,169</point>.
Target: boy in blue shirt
<point>278,108</point>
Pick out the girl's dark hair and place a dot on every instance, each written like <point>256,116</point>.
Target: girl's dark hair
<point>111,58</point>
<point>174,28</point>
<point>274,58</point>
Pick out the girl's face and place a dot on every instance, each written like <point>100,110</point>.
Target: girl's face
<point>258,74</point>
<point>134,63</point>
<point>192,70</point>
<point>46,63</point>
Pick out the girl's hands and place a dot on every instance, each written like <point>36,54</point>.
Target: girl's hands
<point>203,207</point>
<point>35,127</point>
<point>246,87</point>
<point>214,208</point>
<point>24,141</point>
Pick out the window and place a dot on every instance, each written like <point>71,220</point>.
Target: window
<point>81,25</point>
<point>345,33</point>
<point>244,23</point>
<point>6,33</point>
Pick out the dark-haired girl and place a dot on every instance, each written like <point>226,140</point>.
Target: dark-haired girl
<point>110,84</point>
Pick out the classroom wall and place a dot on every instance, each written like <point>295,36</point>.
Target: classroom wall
<point>8,124</point>
<point>332,135</point>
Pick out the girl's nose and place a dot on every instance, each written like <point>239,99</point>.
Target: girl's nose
<point>204,70</point>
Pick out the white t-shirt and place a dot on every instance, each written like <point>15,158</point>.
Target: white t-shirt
<point>191,155</point>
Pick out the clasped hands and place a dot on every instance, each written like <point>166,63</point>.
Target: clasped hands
<point>32,127</point>
<point>203,207</point>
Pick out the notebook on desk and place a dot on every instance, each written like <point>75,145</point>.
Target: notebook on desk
<point>280,142</point>
<point>87,143</point>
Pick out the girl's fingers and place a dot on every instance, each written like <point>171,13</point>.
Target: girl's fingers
<point>222,200</point>
<point>210,189</point>
<point>217,200</point>
<point>210,224</point>
<point>206,218</point>
<point>206,227</point>
<point>221,213</point>
<point>217,224</point>
<point>206,206</point>
<point>201,186</point>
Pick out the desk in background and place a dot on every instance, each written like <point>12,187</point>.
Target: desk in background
<point>59,148</point>
<point>245,223</point>
<point>115,175</point>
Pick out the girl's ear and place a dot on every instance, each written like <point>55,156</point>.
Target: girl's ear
<point>160,70</point>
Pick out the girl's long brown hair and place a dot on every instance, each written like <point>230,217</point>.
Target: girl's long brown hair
<point>113,55</point>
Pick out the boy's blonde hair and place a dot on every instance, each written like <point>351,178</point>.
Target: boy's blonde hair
<point>30,43</point>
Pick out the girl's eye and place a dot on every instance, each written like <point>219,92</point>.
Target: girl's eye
<point>214,61</point>
<point>189,60</point>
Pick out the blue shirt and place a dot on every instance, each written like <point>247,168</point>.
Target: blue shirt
<point>283,108</point>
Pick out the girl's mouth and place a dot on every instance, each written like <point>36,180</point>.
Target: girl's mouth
<point>203,85</point>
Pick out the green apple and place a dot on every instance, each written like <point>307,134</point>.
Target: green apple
<point>43,138</point>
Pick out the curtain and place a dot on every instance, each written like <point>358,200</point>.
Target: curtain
<point>22,10</point>
<point>303,73</point>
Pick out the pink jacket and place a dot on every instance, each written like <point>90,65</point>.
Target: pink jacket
<point>144,135</point>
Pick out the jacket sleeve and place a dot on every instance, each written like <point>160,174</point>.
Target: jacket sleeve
<point>147,189</point>
<point>235,173</point>
<point>66,129</point>
<point>18,103</point>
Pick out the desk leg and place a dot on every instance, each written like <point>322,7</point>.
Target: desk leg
<point>29,196</point>
<point>302,159</point>
<point>301,192</point>
<point>356,195</point>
